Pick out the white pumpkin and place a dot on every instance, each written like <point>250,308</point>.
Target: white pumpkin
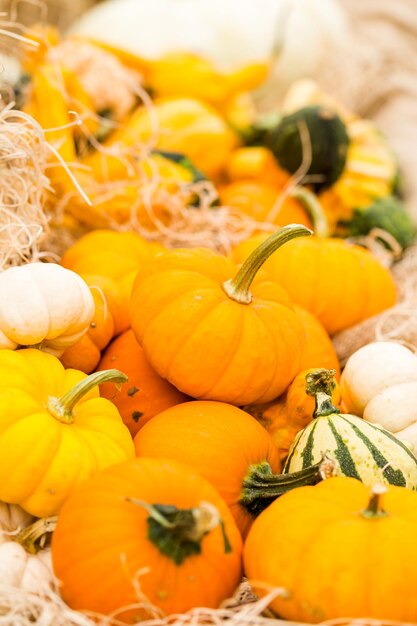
<point>379,383</point>
<point>31,573</point>
<point>230,33</point>
<point>44,305</point>
<point>27,572</point>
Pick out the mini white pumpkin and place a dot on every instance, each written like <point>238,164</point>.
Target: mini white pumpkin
<point>44,305</point>
<point>379,383</point>
<point>31,573</point>
<point>27,572</point>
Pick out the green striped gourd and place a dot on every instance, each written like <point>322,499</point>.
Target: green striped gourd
<point>361,450</point>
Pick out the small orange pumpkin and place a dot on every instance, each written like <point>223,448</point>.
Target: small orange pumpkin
<point>340,283</point>
<point>146,393</point>
<point>206,333</point>
<point>85,354</point>
<point>112,258</point>
<point>285,417</point>
<point>226,446</point>
<point>149,526</point>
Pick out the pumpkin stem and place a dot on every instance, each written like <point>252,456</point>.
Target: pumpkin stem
<point>374,509</point>
<point>321,384</point>
<point>62,408</point>
<point>237,288</point>
<point>35,537</point>
<point>178,533</point>
<point>314,210</point>
<point>261,486</point>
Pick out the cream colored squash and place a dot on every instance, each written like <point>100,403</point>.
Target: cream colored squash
<point>43,305</point>
<point>372,369</point>
<point>395,409</point>
<point>28,572</point>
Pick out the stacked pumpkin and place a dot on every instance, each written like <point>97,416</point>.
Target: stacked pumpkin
<point>202,463</point>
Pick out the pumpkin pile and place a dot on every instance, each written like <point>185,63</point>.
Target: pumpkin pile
<point>173,414</point>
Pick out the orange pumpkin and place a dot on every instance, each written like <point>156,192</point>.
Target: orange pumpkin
<point>85,354</point>
<point>226,446</point>
<point>340,283</point>
<point>338,551</point>
<point>146,393</point>
<point>258,199</point>
<point>109,260</point>
<point>149,526</point>
<point>285,417</point>
<point>206,333</point>
<point>319,350</point>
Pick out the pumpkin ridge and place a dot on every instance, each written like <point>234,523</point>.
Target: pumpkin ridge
<point>274,348</point>
<point>395,477</point>
<point>236,339</point>
<point>179,339</point>
<point>57,444</point>
<point>206,310</point>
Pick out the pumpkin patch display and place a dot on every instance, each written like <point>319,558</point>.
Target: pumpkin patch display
<point>214,332</point>
<point>76,433</point>
<point>169,387</point>
<point>362,450</point>
<point>320,543</point>
<point>165,532</point>
<point>145,394</point>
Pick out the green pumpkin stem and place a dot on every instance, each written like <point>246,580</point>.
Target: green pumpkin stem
<point>374,510</point>
<point>261,486</point>
<point>237,288</point>
<point>62,408</point>
<point>321,384</point>
<point>314,210</point>
<point>35,537</point>
<point>178,533</point>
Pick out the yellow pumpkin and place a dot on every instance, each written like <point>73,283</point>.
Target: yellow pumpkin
<point>340,283</point>
<point>338,551</point>
<point>55,430</point>
<point>183,125</point>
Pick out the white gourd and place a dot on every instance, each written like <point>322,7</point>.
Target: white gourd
<point>27,572</point>
<point>229,33</point>
<point>44,305</point>
<point>372,369</point>
<point>379,383</point>
<point>31,573</point>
